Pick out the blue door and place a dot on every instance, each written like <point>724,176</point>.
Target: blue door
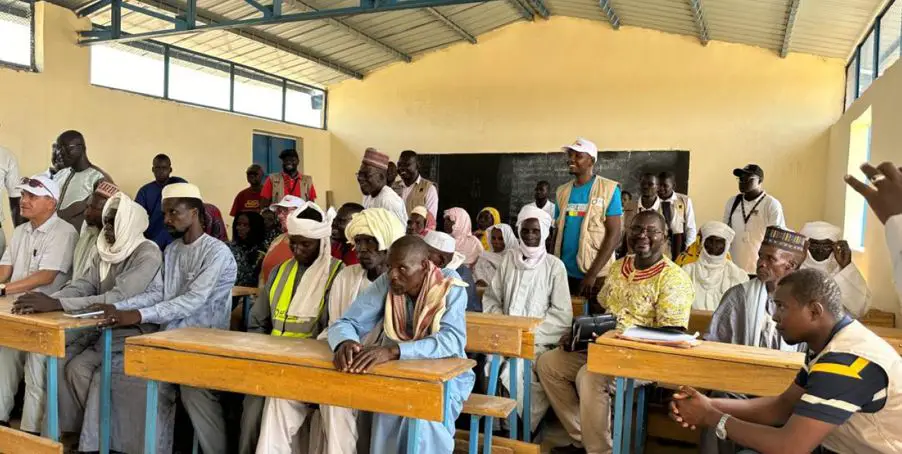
<point>266,152</point>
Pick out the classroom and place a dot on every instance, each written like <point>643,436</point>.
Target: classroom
<point>510,226</point>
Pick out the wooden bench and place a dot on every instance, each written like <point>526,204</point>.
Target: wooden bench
<point>876,318</point>
<point>579,305</point>
<point>245,294</point>
<point>891,335</point>
<point>15,442</point>
<point>500,445</point>
<point>262,365</point>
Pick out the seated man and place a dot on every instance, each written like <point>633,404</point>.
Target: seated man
<point>442,254</point>
<point>342,247</point>
<point>829,253</point>
<point>125,266</point>
<point>86,247</point>
<point>373,231</point>
<point>532,283</point>
<point>713,273</point>
<point>279,251</point>
<point>845,398</point>
<point>420,221</point>
<point>413,286</point>
<point>645,289</point>
<point>292,304</point>
<point>39,258</point>
<point>195,291</point>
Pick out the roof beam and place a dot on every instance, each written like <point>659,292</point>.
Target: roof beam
<point>538,6</point>
<point>525,12</point>
<point>93,8</point>
<point>698,14</point>
<point>287,18</point>
<point>609,12</point>
<point>790,23</point>
<point>343,26</point>
<point>450,24</point>
<point>260,37</point>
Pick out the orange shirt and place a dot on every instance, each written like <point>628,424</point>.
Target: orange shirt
<point>278,253</point>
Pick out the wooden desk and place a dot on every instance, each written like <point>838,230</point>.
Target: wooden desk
<point>512,337</point>
<point>294,369</point>
<point>245,293</point>
<point>45,334</point>
<point>891,335</point>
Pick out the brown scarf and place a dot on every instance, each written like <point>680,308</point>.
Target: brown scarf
<point>427,312</point>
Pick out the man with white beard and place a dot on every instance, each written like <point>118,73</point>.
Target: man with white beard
<point>827,252</point>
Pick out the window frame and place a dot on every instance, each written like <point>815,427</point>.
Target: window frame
<point>32,66</point>
<point>285,83</point>
<point>855,58</point>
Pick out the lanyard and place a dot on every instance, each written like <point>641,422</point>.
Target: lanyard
<point>746,217</point>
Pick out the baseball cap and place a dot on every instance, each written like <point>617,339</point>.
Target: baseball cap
<point>40,186</point>
<point>583,146</point>
<point>286,153</point>
<point>289,201</point>
<point>751,169</point>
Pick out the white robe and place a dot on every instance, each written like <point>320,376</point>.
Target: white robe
<point>712,280</point>
<point>894,244</point>
<point>856,296</point>
<point>390,200</point>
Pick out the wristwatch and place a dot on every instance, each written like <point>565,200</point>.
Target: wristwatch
<point>721,429</point>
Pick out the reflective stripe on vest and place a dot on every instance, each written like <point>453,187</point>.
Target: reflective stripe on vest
<point>283,324</point>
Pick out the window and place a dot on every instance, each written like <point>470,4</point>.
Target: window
<point>866,66</point>
<point>16,33</point>
<point>852,82</point>
<point>890,31</point>
<point>856,208</point>
<point>169,72</point>
<point>879,50</point>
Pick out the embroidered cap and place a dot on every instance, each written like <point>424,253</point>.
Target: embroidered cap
<point>785,239</point>
<point>373,157</point>
<point>106,189</point>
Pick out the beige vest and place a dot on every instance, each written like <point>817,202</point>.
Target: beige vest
<point>591,233</point>
<point>278,186</point>
<point>417,195</point>
<point>863,433</point>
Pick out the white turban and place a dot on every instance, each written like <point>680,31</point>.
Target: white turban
<point>822,231</point>
<point>305,303</point>
<point>530,256</point>
<point>720,230</point>
<point>129,226</point>
<point>378,223</point>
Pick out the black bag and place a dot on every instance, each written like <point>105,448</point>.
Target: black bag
<point>587,327</point>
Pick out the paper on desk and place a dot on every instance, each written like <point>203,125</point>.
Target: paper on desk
<point>652,335</point>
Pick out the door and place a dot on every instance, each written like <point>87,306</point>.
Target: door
<point>267,149</point>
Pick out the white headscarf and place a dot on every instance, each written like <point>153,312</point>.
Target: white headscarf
<point>713,275</point>
<point>129,226</point>
<point>529,256</point>
<point>510,239</point>
<point>822,231</point>
<point>312,288</point>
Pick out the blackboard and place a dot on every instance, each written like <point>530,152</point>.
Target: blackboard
<point>507,181</point>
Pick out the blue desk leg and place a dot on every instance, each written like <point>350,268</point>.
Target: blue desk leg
<point>527,401</point>
<point>512,421</point>
<point>494,372</point>
<point>246,312</point>
<point>413,435</point>
<point>618,415</point>
<point>640,421</point>
<point>628,416</point>
<point>106,377</point>
<point>150,418</point>
<point>53,422</point>
<point>195,445</point>
<point>474,435</point>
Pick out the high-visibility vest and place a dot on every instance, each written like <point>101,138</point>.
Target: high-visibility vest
<point>280,296</point>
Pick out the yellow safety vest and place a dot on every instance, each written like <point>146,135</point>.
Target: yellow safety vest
<point>283,324</point>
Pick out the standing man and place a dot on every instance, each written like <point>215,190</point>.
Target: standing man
<point>250,199</point>
<point>421,310</point>
<point>749,214</point>
<point>198,273</point>
<point>289,181</point>
<point>9,175</point>
<point>77,180</point>
<point>39,258</point>
<point>588,227</point>
<point>342,247</point>
<point>372,178</point>
<point>828,252</point>
<point>150,196</point>
<point>678,212</point>
<point>543,189</point>
<point>416,190</point>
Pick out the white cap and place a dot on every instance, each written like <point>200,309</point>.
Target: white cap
<point>289,201</point>
<point>181,191</point>
<point>583,146</point>
<point>820,230</point>
<point>40,186</point>
<point>440,240</point>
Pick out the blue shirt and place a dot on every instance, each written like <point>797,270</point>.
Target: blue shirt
<point>574,213</point>
<point>474,304</point>
<point>150,196</point>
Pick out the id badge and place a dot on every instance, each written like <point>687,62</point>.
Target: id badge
<point>746,237</point>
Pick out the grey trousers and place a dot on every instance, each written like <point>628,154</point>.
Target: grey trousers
<point>710,444</point>
<point>251,419</point>
<point>207,417</point>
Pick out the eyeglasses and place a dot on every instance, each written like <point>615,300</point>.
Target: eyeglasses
<point>648,231</point>
<point>34,183</point>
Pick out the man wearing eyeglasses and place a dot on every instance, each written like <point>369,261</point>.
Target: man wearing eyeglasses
<point>749,214</point>
<point>78,179</point>
<point>372,177</point>
<point>39,258</point>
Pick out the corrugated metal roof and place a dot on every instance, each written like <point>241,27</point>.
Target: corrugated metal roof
<point>323,52</point>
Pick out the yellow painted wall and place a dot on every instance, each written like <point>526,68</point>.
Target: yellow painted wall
<point>884,98</point>
<point>124,131</point>
<point>531,87</point>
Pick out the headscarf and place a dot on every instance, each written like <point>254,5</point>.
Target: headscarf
<point>496,219</point>
<point>427,311</point>
<point>822,231</point>
<point>425,214</point>
<point>530,256</point>
<point>714,275</point>
<point>378,223</point>
<point>510,240</point>
<point>312,288</point>
<point>466,243</point>
<point>129,226</point>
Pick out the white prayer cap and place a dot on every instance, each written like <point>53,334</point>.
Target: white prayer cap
<point>289,201</point>
<point>583,146</point>
<point>820,230</point>
<point>440,240</point>
<point>719,229</point>
<point>181,191</point>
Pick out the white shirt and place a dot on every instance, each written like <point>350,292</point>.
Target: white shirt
<point>9,173</point>
<point>894,244</point>
<point>548,208</point>
<point>685,225</point>
<point>431,196</point>
<point>749,236</point>
<point>49,247</point>
<point>390,200</point>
